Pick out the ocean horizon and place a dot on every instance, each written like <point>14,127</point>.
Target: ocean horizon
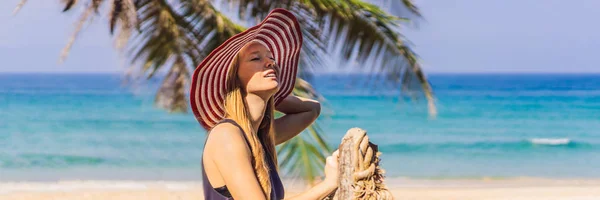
<point>92,126</point>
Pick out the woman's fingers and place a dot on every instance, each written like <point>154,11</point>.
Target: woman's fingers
<point>328,160</point>
<point>333,159</point>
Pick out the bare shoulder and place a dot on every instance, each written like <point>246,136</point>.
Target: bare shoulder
<point>226,139</point>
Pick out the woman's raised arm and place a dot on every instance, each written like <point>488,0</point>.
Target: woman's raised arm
<point>299,114</point>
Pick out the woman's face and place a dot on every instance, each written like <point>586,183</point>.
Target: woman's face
<point>258,70</point>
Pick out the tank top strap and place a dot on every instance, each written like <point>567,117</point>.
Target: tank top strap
<point>231,122</point>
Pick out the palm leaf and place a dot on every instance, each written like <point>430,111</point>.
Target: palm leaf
<point>69,4</point>
<point>357,26</point>
<point>91,7</point>
<point>19,6</point>
<point>411,6</point>
<point>303,157</point>
<point>176,36</point>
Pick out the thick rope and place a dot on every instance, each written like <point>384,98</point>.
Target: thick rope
<point>367,180</point>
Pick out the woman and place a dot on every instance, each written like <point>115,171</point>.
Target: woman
<point>235,91</point>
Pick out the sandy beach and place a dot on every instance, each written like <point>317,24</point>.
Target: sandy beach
<point>515,188</point>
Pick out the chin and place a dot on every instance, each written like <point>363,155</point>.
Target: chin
<point>266,88</point>
<point>273,90</point>
<point>272,85</point>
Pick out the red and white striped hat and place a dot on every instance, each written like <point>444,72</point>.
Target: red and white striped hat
<point>279,32</point>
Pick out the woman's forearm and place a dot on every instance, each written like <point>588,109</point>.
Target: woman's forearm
<point>319,191</point>
<point>294,105</point>
<point>299,114</point>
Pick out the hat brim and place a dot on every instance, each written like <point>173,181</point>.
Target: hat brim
<point>279,32</point>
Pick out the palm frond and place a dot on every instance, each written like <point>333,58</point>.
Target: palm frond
<point>159,45</point>
<point>414,71</point>
<point>304,155</point>
<point>171,94</point>
<point>173,35</point>
<point>83,19</point>
<point>365,35</point>
<point>117,8</point>
<point>69,4</point>
<point>19,6</point>
<point>410,5</point>
<point>124,12</point>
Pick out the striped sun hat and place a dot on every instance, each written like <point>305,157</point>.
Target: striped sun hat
<point>279,32</point>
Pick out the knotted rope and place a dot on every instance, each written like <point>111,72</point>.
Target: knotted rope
<point>360,176</point>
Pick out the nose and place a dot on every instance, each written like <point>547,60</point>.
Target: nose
<point>272,64</point>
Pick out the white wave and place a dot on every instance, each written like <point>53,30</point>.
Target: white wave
<point>550,141</point>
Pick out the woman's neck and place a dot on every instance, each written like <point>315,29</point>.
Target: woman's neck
<point>256,107</point>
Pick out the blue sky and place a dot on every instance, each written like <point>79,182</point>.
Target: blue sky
<point>455,36</point>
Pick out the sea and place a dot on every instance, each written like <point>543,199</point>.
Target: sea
<point>97,126</point>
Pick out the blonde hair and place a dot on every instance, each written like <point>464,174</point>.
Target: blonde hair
<point>236,109</point>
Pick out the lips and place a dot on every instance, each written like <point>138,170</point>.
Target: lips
<point>270,74</point>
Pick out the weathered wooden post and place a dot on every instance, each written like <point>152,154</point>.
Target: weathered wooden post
<point>361,177</point>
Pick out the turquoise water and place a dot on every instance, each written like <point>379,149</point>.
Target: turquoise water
<point>90,126</point>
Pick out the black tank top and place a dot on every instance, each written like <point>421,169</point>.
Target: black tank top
<point>222,193</point>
